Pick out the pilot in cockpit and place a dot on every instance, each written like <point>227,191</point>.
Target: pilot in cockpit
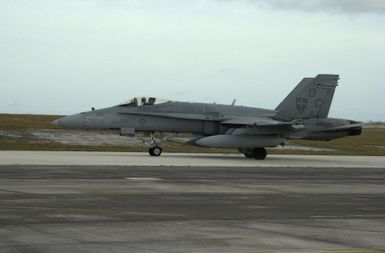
<point>135,102</point>
<point>144,101</point>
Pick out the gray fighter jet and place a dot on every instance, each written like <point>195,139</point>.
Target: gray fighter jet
<point>303,114</point>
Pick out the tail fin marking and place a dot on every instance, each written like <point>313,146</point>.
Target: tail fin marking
<point>311,98</point>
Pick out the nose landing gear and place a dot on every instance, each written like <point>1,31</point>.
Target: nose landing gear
<point>155,151</point>
<point>156,146</point>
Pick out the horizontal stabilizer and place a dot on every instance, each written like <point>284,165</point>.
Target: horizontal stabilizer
<point>342,128</point>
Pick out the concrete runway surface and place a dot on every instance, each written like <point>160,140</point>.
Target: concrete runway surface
<point>180,159</point>
<point>239,209</point>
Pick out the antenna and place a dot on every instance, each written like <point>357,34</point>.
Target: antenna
<point>234,101</point>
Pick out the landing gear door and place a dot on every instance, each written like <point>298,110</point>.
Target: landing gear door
<point>127,131</point>
<point>210,127</point>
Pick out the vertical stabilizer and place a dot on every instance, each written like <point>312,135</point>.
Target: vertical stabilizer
<point>311,98</point>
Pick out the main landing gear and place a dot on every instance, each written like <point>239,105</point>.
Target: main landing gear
<point>256,153</point>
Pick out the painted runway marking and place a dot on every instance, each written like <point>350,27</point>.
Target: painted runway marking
<point>143,179</point>
<point>349,216</point>
<point>85,211</point>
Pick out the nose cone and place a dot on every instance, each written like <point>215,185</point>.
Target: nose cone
<point>73,121</point>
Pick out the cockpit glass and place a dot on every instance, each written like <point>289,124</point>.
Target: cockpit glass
<point>143,101</point>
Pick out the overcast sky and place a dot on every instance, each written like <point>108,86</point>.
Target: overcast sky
<point>62,57</point>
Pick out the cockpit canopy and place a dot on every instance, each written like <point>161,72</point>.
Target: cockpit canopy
<point>143,101</point>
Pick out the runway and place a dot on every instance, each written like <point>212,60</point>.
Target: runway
<point>104,208</point>
<point>180,159</point>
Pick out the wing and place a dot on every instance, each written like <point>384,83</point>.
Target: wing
<point>255,121</point>
<point>230,121</point>
<point>168,115</point>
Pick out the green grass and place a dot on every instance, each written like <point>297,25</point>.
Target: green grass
<point>371,142</point>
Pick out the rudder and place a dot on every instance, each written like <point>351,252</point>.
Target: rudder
<point>311,98</point>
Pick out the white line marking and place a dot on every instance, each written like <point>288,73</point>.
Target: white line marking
<point>143,178</point>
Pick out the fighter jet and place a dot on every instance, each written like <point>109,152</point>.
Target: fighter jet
<point>303,114</point>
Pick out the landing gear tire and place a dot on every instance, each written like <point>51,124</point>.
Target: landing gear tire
<point>155,151</point>
<point>248,155</point>
<point>260,153</point>
<point>256,153</point>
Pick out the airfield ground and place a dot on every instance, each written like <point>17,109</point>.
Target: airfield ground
<point>299,204</point>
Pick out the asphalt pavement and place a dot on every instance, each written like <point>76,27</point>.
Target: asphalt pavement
<point>52,208</point>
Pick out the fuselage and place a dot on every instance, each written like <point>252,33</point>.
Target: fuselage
<point>196,118</point>
<point>205,120</point>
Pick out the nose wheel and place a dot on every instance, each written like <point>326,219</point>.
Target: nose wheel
<point>155,151</point>
<point>156,145</point>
